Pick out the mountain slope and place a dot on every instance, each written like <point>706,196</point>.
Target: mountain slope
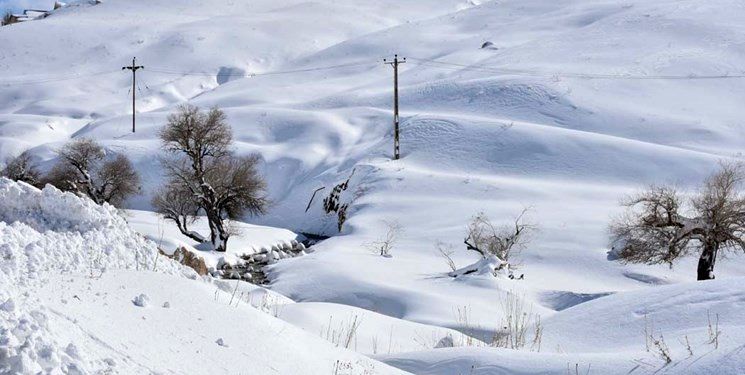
<point>574,105</point>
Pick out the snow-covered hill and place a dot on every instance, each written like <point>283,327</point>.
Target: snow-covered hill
<point>575,104</point>
<point>81,292</point>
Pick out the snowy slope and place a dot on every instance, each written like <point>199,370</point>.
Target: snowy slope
<point>606,336</point>
<point>569,111</point>
<point>83,293</point>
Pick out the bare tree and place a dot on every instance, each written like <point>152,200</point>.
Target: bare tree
<point>205,176</point>
<point>7,19</point>
<point>84,168</point>
<point>660,226</point>
<point>503,241</point>
<point>385,243</point>
<point>178,204</point>
<point>22,168</point>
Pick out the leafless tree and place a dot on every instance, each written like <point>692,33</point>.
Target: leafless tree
<point>385,243</point>
<point>7,19</point>
<point>501,241</point>
<point>205,176</point>
<point>177,203</point>
<point>22,168</point>
<point>661,226</point>
<point>84,168</point>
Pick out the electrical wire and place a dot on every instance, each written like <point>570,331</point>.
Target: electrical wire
<point>246,75</point>
<point>54,79</point>
<point>535,73</point>
<point>438,64</point>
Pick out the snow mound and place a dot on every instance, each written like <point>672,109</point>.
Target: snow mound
<point>51,209</point>
<point>44,233</point>
<point>49,230</point>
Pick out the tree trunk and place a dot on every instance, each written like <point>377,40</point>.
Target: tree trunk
<point>218,234</point>
<point>707,260</point>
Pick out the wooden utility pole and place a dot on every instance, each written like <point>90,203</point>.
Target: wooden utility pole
<point>394,64</point>
<point>134,69</point>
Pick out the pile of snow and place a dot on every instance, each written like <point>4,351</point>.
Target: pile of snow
<point>45,233</point>
<point>49,231</point>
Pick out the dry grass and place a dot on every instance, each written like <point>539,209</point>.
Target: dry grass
<point>517,320</point>
<point>344,334</point>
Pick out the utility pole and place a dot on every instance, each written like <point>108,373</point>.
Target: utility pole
<point>394,64</point>
<point>134,69</point>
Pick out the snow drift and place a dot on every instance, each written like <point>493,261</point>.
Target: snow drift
<point>45,233</point>
<point>81,292</point>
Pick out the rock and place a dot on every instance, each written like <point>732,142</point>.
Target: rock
<point>166,305</point>
<point>190,260</point>
<point>221,342</point>
<point>445,342</point>
<point>142,300</point>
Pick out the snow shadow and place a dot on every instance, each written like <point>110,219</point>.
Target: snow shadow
<point>562,300</point>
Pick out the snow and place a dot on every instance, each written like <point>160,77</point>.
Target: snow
<point>67,286</point>
<point>187,337</point>
<point>582,336</point>
<point>562,114</point>
<point>248,240</point>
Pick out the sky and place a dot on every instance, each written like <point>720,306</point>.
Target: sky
<point>20,5</point>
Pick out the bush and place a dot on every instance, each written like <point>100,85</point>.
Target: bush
<point>84,168</point>
<point>22,168</point>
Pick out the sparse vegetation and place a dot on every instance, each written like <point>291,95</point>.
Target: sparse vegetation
<point>504,242</point>
<point>661,348</point>
<point>344,334</point>
<point>385,243</point>
<point>446,251</point>
<point>332,203</point>
<point>516,323</point>
<point>714,331</point>
<point>497,245</point>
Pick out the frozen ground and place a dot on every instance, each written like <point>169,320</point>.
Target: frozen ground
<point>567,111</point>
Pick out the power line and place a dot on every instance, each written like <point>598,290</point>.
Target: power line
<point>438,64</point>
<point>536,73</point>
<point>247,75</point>
<point>54,79</point>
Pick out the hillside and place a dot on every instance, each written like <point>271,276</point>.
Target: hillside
<point>574,105</point>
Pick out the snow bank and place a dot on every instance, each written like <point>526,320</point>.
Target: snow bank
<point>51,210</point>
<point>44,233</point>
<point>49,231</point>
